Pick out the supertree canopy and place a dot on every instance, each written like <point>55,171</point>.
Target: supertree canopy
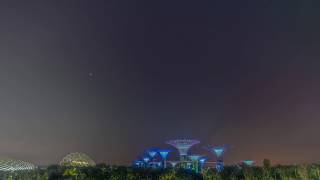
<point>183,145</point>
<point>217,150</point>
<point>248,162</point>
<point>7,164</point>
<point>164,153</point>
<point>152,152</point>
<point>146,159</point>
<point>77,159</point>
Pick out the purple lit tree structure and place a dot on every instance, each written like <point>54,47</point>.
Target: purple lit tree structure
<point>219,152</point>
<point>183,145</point>
<point>164,154</point>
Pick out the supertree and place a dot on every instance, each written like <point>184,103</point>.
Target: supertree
<point>218,151</point>
<point>152,152</point>
<point>146,161</point>
<point>164,154</point>
<point>202,161</point>
<point>248,162</point>
<point>183,146</point>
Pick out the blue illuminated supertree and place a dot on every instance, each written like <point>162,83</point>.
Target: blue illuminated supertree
<point>146,161</point>
<point>164,154</point>
<point>152,153</point>
<point>248,162</point>
<point>202,161</point>
<point>183,145</point>
<point>218,151</point>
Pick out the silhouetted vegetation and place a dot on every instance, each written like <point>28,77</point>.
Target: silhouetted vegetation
<point>104,172</point>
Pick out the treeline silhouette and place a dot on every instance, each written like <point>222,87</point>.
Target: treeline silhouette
<point>105,172</point>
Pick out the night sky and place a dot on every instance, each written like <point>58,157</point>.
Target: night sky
<point>111,78</point>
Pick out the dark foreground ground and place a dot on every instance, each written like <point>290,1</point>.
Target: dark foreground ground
<point>104,172</point>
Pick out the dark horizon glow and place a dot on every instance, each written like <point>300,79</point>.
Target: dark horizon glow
<point>111,78</point>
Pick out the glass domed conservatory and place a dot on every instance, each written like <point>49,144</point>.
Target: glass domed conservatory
<point>77,159</point>
<point>7,164</point>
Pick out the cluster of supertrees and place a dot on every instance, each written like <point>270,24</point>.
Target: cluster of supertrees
<point>157,158</point>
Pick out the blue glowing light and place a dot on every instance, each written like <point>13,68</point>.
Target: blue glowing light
<point>202,160</point>
<point>248,162</point>
<point>152,153</point>
<point>164,153</point>
<point>146,159</point>
<point>138,163</point>
<point>189,165</point>
<point>218,151</point>
<point>219,166</point>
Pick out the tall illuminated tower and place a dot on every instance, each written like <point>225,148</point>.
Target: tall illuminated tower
<point>183,145</point>
<point>164,154</point>
<point>218,151</point>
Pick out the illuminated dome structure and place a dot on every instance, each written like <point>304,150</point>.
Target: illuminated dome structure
<point>7,164</point>
<point>77,159</point>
